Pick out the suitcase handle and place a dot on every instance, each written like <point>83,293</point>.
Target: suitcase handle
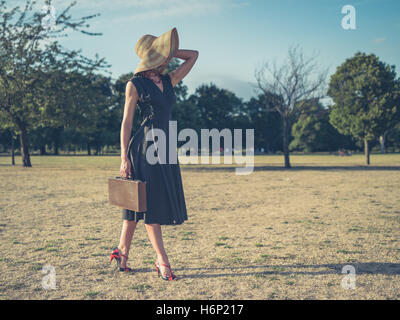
<point>119,177</point>
<point>122,178</point>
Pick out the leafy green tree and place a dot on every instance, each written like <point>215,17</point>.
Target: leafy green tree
<point>267,124</point>
<point>8,141</point>
<point>393,138</point>
<point>98,120</point>
<point>218,107</point>
<point>312,132</point>
<point>40,138</point>
<point>8,129</point>
<point>29,54</point>
<point>187,115</point>
<point>208,107</point>
<point>366,96</point>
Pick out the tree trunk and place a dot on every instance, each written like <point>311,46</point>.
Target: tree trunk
<point>382,140</point>
<point>366,150</point>
<point>88,149</point>
<point>12,151</point>
<point>43,150</point>
<point>56,148</point>
<point>286,142</point>
<point>24,142</point>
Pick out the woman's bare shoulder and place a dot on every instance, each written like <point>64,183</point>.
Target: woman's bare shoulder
<point>131,90</point>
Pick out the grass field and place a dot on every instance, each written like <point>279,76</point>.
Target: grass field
<point>273,234</point>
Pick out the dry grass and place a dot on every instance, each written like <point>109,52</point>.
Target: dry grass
<point>273,234</point>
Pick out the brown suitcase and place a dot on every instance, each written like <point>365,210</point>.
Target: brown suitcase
<point>127,193</point>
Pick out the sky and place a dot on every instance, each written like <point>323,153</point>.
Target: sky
<point>234,37</point>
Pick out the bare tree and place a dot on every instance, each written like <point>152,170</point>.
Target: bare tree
<point>290,85</point>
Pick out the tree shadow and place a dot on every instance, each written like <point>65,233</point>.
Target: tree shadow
<point>296,168</point>
<point>373,268</point>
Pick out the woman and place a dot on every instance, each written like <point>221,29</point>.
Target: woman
<point>154,93</point>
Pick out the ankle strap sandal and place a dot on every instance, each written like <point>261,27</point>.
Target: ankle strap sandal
<point>116,254</point>
<point>171,277</point>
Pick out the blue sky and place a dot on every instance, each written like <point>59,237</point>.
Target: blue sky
<point>234,36</point>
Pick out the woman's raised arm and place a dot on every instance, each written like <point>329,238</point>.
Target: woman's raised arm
<point>190,56</point>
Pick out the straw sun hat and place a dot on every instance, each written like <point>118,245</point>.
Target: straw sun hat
<point>154,51</point>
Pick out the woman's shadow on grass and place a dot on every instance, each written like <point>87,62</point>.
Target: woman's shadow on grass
<point>298,269</point>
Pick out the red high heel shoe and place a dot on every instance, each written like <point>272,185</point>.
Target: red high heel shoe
<point>171,277</point>
<point>116,254</point>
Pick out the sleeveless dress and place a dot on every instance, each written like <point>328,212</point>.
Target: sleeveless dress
<point>164,191</point>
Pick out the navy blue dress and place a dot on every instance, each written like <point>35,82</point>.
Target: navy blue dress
<point>164,190</point>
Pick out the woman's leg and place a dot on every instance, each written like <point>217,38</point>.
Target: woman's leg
<point>155,236</point>
<point>128,228</point>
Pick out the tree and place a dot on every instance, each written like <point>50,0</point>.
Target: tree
<point>366,94</point>
<point>307,129</point>
<point>293,83</point>
<point>267,125</point>
<point>29,54</point>
<point>312,132</point>
<point>7,141</point>
<point>218,107</point>
<point>393,138</point>
<point>7,126</point>
<point>98,120</point>
<point>40,137</point>
<point>187,115</point>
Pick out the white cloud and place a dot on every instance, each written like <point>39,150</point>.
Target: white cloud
<point>154,4</point>
<point>379,40</point>
<point>185,8</point>
<point>156,9</point>
<point>139,10</point>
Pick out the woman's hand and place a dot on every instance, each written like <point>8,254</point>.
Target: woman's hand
<point>125,170</point>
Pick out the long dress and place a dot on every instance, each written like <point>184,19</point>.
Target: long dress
<point>164,190</point>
